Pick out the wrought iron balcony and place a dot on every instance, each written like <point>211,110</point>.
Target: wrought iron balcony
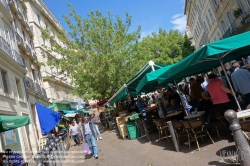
<point>17,57</point>
<point>13,54</point>
<point>20,15</point>
<point>28,49</point>
<point>37,88</point>
<point>44,93</point>
<point>29,82</point>
<point>5,47</point>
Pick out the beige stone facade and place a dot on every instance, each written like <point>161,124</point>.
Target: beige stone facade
<point>57,85</point>
<point>215,19</point>
<point>13,68</point>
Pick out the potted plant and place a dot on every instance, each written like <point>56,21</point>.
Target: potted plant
<point>237,12</point>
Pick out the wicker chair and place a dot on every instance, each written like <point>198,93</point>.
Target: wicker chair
<point>179,131</point>
<point>161,128</point>
<point>196,130</point>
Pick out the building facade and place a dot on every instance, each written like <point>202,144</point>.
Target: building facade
<point>13,95</point>
<point>56,83</point>
<point>214,19</point>
<point>33,80</point>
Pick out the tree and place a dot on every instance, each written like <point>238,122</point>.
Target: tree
<point>98,53</point>
<point>164,47</point>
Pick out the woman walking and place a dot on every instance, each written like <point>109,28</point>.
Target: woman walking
<point>94,120</point>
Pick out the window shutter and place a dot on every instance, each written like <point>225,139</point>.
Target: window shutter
<point>4,79</point>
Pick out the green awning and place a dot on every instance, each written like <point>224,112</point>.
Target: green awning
<point>149,82</point>
<point>208,57</point>
<point>12,122</point>
<point>130,86</point>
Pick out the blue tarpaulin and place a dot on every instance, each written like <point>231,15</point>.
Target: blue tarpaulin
<point>48,119</point>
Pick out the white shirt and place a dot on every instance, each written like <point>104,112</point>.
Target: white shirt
<point>74,129</point>
<point>87,128</point>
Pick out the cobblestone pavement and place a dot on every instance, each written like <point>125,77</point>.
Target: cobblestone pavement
<point>114,151</point>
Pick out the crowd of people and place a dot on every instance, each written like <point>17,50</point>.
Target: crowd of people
<point>86,130</point>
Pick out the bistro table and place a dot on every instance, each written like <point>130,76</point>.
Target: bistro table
<point>173,114</point>
<point>192,116</point>
<point>243,114</point>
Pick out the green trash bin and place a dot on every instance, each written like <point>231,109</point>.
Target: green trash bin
<point>133,131</point>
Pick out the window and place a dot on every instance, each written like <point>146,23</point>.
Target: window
<point>223,25</point>
<point>57,93</point>
<point>34,75</point>
<point>46,26</point>
<point>218,34</point>
<point>24,37</point>
<point>248,3</point>
<point>211,15</point>
<point>15,24</point>
<point>208,22</point>
<point>31,44</point>
<point>215,4</point>
<point>19,89</point>
<point>205,26</point>
<point>5,81</point>
<point>39,20</point>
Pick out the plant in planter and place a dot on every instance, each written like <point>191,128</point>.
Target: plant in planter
<point>237,12</point>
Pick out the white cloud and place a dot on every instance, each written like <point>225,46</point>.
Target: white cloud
<point>176,16</point>
<point>179,22</point>
<point>145,34</point>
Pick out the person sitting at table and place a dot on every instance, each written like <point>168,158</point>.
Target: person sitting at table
<point>172,95</point>
<point>205,104</point>
<point>139,104</point>
<point>175,107</point>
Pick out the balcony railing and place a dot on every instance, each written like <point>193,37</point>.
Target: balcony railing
<point>13,54</point>
<point>29,82</point>
<point>13,5</point>
<point>17,58</point>
<point>44,93</point>
<point>37,88</point>
<point>27,26</point>
<point>5,47</point>
<point>20,15</point>
<point>28,49</point>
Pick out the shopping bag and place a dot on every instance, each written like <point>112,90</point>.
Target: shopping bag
<point>86,149</point>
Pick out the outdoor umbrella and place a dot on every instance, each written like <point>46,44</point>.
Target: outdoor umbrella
<point>209,56</point>
<point>130,86</point>
<point>48,118</point>
<point>12,122</point>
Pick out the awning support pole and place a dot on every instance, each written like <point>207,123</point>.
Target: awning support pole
<point>230,85</point>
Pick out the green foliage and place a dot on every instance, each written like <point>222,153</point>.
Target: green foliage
<point>165,47</point>
<point>99,56</point>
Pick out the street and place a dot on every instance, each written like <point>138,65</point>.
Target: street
<point>114,151</point>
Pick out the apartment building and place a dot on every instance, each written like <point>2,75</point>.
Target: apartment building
<point>214,19</point>
<point>190,36</point>
<point>13,94</point>
<point>56,83</point>
<point>33,79</point>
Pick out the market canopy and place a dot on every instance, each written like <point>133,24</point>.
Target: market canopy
<point>209,56</point>
<point>130,86</point>
<point>48,118</point>
<point>12,122</point>
<point>149,82</point>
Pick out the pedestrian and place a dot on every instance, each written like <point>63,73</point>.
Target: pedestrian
<point>75,131</point>
<point>89,136</point>
<point>94,120</point>
<point>241,81</point>
<point>14,159</point>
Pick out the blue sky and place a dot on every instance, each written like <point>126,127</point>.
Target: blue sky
<point>150,14</point>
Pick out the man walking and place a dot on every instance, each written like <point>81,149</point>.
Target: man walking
<point>241,81</point>
<point>89,136</point>
<point>75,131</point>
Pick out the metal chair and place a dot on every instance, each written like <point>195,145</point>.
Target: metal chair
<point>161,128</point>
<point>196,130</point>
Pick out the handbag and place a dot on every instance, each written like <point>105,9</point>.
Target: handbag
<point>86,149</point>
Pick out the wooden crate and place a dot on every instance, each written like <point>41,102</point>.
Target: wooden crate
<point>123,130</point>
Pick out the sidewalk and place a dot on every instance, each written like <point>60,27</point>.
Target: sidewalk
<point>114,151</point>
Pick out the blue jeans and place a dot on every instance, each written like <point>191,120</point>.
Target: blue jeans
<point>96,129</point>
<point>90,139</point>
